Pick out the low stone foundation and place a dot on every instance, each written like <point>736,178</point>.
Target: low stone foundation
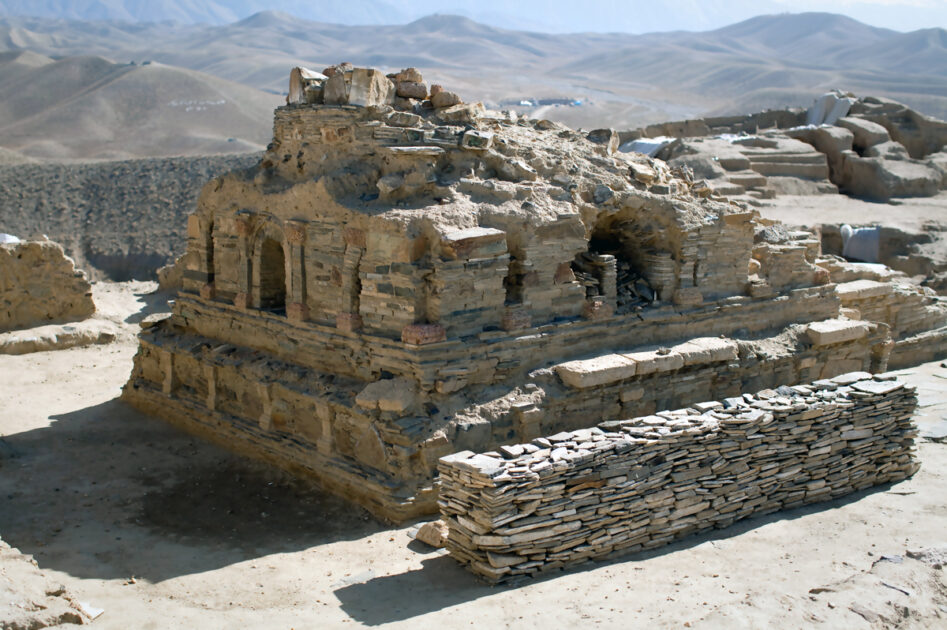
<point>637,484</point>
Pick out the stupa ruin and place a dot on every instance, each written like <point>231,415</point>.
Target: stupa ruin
<point>404,276</point>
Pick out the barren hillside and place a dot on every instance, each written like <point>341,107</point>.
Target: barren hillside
<point>89,107</point>
<point>621,80</point>
<point>120,219</point>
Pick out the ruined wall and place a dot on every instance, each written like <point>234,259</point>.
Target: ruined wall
<point>40,285</point>
<point>378,441</point>
<point>637,484</point>
<point>917,317</point>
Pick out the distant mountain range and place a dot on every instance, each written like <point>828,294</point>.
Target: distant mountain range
<point>620,80</point>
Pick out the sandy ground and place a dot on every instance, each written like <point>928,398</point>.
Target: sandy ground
<point>162,530</point>
<point>912,214</point>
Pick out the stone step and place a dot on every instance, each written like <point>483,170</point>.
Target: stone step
<point>733,161</point>
<point>788,169</point>
<point>809,157</point>
<point>747,179</point>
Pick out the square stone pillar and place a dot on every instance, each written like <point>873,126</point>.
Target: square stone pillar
<point>244,281</point>
<point>210,373</point>
<point>296,307</point>
<point>170,383</point>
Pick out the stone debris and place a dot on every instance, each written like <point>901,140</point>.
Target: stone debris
<point>632,485</point>
<point>30,599</point>
<point>433,533</point>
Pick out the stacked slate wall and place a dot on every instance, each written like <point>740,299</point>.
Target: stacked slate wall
<point>637,484</point>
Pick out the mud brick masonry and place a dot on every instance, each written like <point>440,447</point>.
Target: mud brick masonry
<point>625,486</point>
<point>404,276</point>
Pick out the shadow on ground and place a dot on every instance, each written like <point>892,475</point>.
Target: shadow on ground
<point>106,492</point>
<point>153,302</point>
<point>443,583</point>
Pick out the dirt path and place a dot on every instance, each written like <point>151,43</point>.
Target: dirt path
<point>162,530</point>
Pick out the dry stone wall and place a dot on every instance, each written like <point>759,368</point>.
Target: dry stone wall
<point>631,485</point>
<point>40,285</point>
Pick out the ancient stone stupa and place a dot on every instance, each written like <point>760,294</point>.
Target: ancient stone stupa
<point>405,275</point>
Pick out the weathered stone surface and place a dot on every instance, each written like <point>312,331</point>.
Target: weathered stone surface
<point>707,350</point>
<point>878,178</point>
<point>598,371</point>
<point>335,91</point>
<point>398,395</point>
<point>656,361</point>
<point>866,133</point>
<point>40,285</point>
<point>444,99</point>
<point>889,150</point>
<point>58,337</point>
<point>370,88</point>
<point>461,113</point>
<point>412,89</point>
<point>863,289</point>
<point>836,331</point>
<point>433,533</point>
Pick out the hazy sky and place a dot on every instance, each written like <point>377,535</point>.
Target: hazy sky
<point>638,16</point>
<point>557,16</point>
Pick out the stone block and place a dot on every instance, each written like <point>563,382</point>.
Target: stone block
<point>423,334</point>
<point>433,534</point>
<point>370,88</point>
<point>866,133</point>
<point>297,312</point>
<point>208,292</point>
<point>242,300</point>
<point>461,114</point>
<point>335,90</point>
<point>862,289</point>
<point>707,350</point>
<point>398,395</point>
<point>412,89</point>
<point>833,331</point>
<point>688,296</point>
<point>443,99</point>
<point>480,140</point>
<point>349,322</point>
<point>471,243</point>
<point>602,370</point>
<point>655,361</point>
<point>515,318</point>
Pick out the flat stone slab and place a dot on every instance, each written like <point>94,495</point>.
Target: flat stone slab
<point>611,368</point>
<point>862,289</point>
<point>852,377</point>
<point>833,331</point>
<point>415,150</point>
<point>877,387</point>
<point>655,361</point>
<point>707,350</point>
<point>602,370</point>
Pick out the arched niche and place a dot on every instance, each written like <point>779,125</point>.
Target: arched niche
<point>270,269</point>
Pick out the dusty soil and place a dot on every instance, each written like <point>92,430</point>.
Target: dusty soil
<point>920,215</point>
<point>162,530</point>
